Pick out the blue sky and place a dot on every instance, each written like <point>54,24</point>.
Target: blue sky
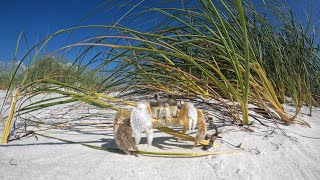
<point>38,18</point>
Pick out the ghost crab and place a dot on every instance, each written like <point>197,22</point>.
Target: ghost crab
<point>146,116</point>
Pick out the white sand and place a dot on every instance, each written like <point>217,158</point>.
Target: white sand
<point>269,154</point>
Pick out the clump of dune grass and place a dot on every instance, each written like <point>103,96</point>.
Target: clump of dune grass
<point>224,50</point>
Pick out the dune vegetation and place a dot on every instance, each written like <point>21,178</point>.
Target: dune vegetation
<point>232,52</point>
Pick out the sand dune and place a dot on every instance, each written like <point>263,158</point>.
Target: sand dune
<point>268,152</point>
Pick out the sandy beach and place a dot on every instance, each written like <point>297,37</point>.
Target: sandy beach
<point>135,89</point>
<point>268,151</point>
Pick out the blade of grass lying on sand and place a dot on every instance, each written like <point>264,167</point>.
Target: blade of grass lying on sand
<point>180,135</point>
<point>148,153</point>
